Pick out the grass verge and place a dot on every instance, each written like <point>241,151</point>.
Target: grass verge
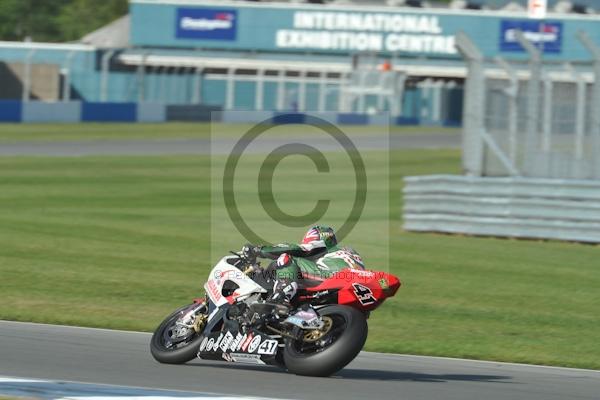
<point>118,242</point>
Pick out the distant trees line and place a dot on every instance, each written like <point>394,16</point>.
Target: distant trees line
<point>56,20</point>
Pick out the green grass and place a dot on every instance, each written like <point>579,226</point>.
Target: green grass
<point>118,242</point>
<point>96,131</point>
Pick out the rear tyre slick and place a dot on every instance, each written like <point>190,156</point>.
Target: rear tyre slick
<point>344,347</point>
<point>178,355</point>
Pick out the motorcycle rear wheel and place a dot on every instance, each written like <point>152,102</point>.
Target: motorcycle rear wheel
<point>338,346</point>
<point>176,353</point>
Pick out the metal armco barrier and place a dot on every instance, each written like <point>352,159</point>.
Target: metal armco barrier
<point>512,207</point>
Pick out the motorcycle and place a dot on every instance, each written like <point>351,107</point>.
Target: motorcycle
<point>320,333</point>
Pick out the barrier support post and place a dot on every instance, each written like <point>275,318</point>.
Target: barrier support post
<point>594,51</point>
<point>533,93</point>
<point>474,106</point>
<point>511,92</point>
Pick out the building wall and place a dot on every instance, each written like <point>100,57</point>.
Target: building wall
<point>255,27</point>
<point>344,30</point>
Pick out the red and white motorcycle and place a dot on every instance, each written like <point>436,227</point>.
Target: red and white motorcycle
<point>323,330</point>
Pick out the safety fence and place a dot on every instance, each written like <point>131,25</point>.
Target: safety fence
<point>533,118</point>
<point>531,150</point>
<point>513,207</point>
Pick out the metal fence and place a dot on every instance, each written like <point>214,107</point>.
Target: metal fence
<point>533,118</point>
<point>515,207</point>
<point>531,152</point>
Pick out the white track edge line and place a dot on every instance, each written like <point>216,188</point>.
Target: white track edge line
<point>142,388</point>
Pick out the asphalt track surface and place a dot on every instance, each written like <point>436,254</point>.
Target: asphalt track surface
<point>123,358</point>
<point>221,146</point>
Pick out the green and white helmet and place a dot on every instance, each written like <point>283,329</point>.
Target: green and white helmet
<point>320,236</point>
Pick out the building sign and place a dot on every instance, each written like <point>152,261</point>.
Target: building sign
<point>246,26</point>
<point>206,23</point>
<point>547,36</point>
<point>348,31</point>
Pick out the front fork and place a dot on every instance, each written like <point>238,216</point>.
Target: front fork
<point>191,319</point>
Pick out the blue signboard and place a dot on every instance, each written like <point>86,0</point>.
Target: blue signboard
<point>206,23</point>
<point>547,36</point>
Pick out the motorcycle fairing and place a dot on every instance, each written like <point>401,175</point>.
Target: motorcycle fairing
<point>225,273</point>
<point>234,346</point>
<point>364,290</point>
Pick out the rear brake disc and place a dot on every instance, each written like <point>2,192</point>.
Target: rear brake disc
<point>316,334</point>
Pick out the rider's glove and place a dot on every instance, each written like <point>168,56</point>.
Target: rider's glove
<point>284,260</point>
<point>250,251</point>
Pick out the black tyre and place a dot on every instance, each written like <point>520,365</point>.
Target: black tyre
<point>168,347</point>
<point>331,352</point>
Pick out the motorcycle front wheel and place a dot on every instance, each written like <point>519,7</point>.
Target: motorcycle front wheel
<point>173,344</point>
<point>324,352</point>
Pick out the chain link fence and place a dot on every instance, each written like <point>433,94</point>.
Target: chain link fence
<point>531,152</point>
<point>532,119</point>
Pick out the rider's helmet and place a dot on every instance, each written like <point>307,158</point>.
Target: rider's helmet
<point>320,233</point>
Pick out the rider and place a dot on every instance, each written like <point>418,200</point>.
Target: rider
<point>310,262</point>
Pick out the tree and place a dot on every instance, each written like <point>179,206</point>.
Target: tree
<point>34,19</point>
<point>56,20</point>
<point>84,16</point>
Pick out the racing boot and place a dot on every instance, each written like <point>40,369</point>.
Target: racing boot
<point>284,292</point>
<point>282,296</point>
